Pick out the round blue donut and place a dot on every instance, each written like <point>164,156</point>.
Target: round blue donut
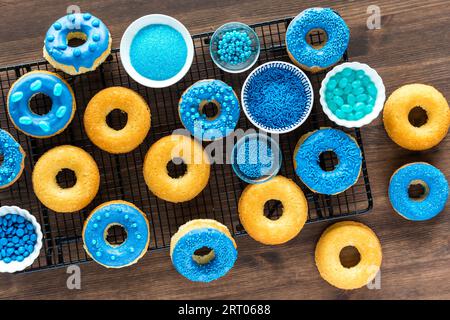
<point>225,254</point>
<point>116,213</point>
<point>338,35</point>
<point>13,159</point>
<point>346,172</point>
<point>435,197</point>
<point>206,91</point>
<point>50,84</point>
<point>97,41</point>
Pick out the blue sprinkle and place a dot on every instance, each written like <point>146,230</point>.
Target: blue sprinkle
<point>61,112</point>
<point>87,16</point>
<point>17,96</point>
<point>25,120</point>
<point>36,85</point>
<point>57,26</point>
<point>96,23</point>
<point>44,126</point>
<point>51,38</point>
<point>96,37</point>
<point>57,90</point>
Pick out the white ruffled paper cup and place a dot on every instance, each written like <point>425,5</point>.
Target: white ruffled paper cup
<point>15,266</point>
<point>379,101</point>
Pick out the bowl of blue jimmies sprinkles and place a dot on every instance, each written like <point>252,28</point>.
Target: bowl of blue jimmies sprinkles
<point>156,50</point>
<point>20,239</point>
<point>277,97</point>
<point>234,47</point>
<point>256,158</point>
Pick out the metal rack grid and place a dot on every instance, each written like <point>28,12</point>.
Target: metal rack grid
<point>121,175</point>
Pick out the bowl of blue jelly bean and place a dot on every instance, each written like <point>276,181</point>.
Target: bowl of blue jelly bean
<point>352,94</point>
<point>256,158</point>
<point>20,239</point>
<point>234,47</point>
<point>156,50</point>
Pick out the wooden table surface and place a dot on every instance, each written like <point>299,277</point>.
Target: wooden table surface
<point>412,45</point>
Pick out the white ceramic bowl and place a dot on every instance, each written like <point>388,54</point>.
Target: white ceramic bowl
<point>379,102</point>
<point>303,78</point>
<point>15,266</point>
<point>128,37</point>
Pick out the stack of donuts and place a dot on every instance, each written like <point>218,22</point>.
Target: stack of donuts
<point>277,97</point>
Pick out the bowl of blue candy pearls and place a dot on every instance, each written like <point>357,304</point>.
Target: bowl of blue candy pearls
<point>20,239</point>
<point>352,94</point>
<point>234,47</point>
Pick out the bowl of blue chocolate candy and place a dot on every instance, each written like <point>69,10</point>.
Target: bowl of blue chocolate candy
<point>20,239</point>
<point>234,47</point>
<point>156,50</point>
<point>352,94</point>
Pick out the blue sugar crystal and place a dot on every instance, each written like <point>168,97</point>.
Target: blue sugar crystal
<point>158,52</point>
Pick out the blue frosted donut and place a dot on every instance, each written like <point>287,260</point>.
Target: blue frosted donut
<point>434,199</point>
<point>302,53</point>
<point>110,214</point>
<point>13,159</point>
<point>198,234</point>
<point>307,161</point>
<point>86,57</point>
<point>50,84</point>
<point>196,97</point>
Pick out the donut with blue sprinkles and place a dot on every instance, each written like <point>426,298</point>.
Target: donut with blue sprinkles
<point>86,57</point>
<point>430,203</point>
<point>116,213</point>
<point>305,55</point>
<point>194,117</point>
<point>198,234</point>
<point>13,160</point>
<point>307,161</point>
<point>49,84</point>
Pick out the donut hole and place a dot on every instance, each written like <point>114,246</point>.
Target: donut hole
<point>40,104</point>
<point>115,235</point>
<point>66,178</point>
<point>273,209</point>
<point>203,255</point>
<point>316,38</point>
<point>328,160</point>
<point>418,116</point>
<point>76,39</point>
<point>117,119</point>
<point>176,168</point>
<point>418,190</point>
<point>210,109</point>
<point>349,257</point>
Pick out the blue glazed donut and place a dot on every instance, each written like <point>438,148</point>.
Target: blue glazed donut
<point>50,84</point>
<point>81,59</point>
<point>308,57</point>
<point>123,214</point>
<point>197,234</point>
<point>307,161</point>
<point>196,97</point>
<point>434,199</point>
<point>13,159</point>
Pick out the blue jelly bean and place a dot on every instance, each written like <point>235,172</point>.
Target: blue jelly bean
<point>338,92</point>
<point>343,83</point>
<point>356,84</point>
<point>351,99</point>
<point>339,101</point>
<point>361,97</point>
<point>346,108</point>
<point>340,114</point>
<point>359,106</point>
<point>347,72</point>
<point>358,91</point>
<point>331,84</point>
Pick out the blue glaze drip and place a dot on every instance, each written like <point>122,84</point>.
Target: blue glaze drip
<point>158,52</point>
<point>29,122</point>
<point>82,56</point>
<point>345,173</point>
<point>277,97</point>
<point>338,35</point>
<point>225,254</point>
<point>13,158</point>
<point>435,197</point>
<point>107,216</point>
<point>198,124</point>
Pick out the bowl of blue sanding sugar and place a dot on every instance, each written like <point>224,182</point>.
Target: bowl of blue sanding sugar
<point>256,158</point>
<point>277,97</point>
<point>156,50</point>
<point>234,47</point>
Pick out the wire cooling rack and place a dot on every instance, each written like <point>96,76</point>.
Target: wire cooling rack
<point>121,175</point>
